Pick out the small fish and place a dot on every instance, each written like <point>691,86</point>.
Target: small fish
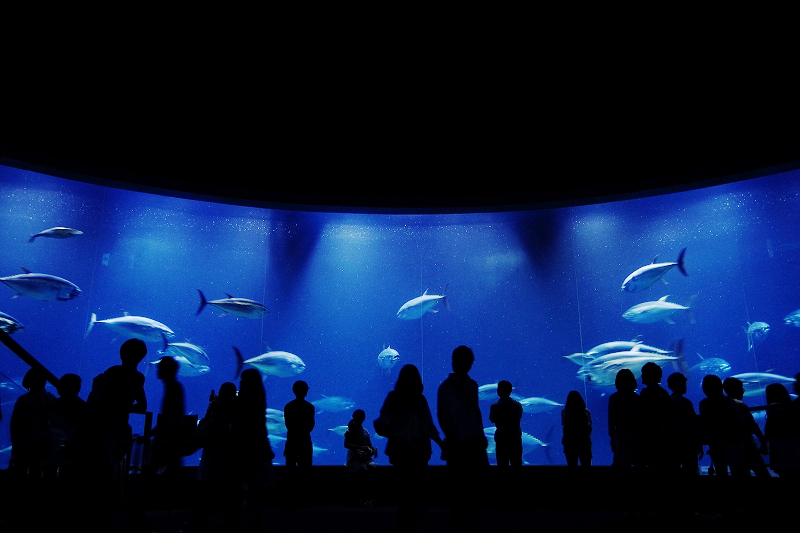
<point>538,405</point>
<point>241,307</point>
<point>793,319</point>
<point>280,364</point>
<point>9,324</point>
<point>333,404</point>
<point>644,277</point>
<point>192,353</point>
<point>661,309</point>
<point>42,286</point>
<point>420,305</point>
<point>138,327</point>
<point>756,332</point>
<point>388,358</point>
<point>187,368</point>
<point>56,233</point>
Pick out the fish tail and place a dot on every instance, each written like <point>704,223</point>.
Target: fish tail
<point>444,298</point>
<point>239,360</point>
<point>680,262</point>
<point>92,320</point>
<point>203,303</point>
<point>690,310</point>
<point>33,237</point>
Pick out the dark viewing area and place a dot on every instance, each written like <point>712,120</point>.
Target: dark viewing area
<point>189,352</point>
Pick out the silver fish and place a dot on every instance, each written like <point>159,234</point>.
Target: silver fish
<point>645,276</point>
<point>192,353</point>
<point>138,327</point>
<point>235,306</point>
<point>793,319</point>
<point>756,332</point>
<point>9,324</point>
<point>712,365</point>
<point>42,286</point>
<point>280,364</point>
<point>489,392</point>
<point>57,233</point>
<point>420,305</point>
<point>661,309</point>
<point>187,368</point>
<point>539,405</point>
<point>276,423</point>
<point>755,383</point>
<point>388,358</point>
<point>333,404</point>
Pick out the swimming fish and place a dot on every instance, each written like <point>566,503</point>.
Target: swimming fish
<point>793,319</point>
<point>756,332</point>
<point>187,368</point>
<point>42,286</point>
<point>280,364</point>
<point>489,392</point>
<point>538,405</point>
<point>57,233</point>
<point>645,276</point>
<point>388,358</point>
<point>235,306</point>
<point>755,383</point>
<point>420,305</point>
<point>712,365</point>
<point>192,353</point>
<point>661,309</point>
<point>603,370</point>
<point>276,423</point>
<point>333,404</point>
<point>138,327</point>
<point>9,324</point>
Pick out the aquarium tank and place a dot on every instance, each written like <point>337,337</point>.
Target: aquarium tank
<point>551,299</point>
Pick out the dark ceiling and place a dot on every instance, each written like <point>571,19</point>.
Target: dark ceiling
<point>475,166</point>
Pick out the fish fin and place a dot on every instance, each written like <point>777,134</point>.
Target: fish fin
<point>203,302</point>
<point>426,292</point>
<point>434,310</point>
<point>228,295</point>
<point>25,270</point>
<point>680,262</point>
<point>16,296</point>
<point>665,282</point>
<point>701,357</point>
<point>446,302</point>
<point>663,298</point>
<point>669,320</point>
<point>655,260</point>
<point>92,320</point>
<point>164,338</point>
<point>239,361</point>
<point>33,236</point>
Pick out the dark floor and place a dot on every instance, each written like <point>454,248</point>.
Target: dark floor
<point>531,499</point>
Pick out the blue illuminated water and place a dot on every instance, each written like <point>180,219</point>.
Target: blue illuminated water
<point>524,289</point>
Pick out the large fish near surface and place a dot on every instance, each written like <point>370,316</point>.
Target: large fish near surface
<point>712,365</point>
<point>611,347</point>
<point>280,364</point>
<point>661,309</point>
<point>42,286</point>
<point>755,383</point>
<point>333,404</point>
<point>793,319</point>
<point>489,392</point>
<point>642,278</point>
<point>603,370</point>
<point>56,233</point>
<point>138,327</point>
<point>191,352</point>
<point>755,332</point>
<point>186,368</point>
<point>420,305</point>
<point>9,324</point>
<point>234,306</point>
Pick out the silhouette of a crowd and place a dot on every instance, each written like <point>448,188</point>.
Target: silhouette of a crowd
<point>89,443</point>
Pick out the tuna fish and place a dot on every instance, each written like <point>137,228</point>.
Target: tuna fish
<point>712,365</point>
<point>9,324</point>
<point>56,233</point>
<point>276,423</point>
<point>793,319</point>
<point>644,277</point>
<point>539,405</point>
<point>388,358</point>
<point>280,364</point>
<point>755,383</point>
<point>756,332</point>
<point>42,286</point>
<point>661,309</point>
<point>333,404</point>
<point>489,392</point>
<point>192,353</point>
<point>235,306</point>
<point>137,327</point>
<point>420,305</point>
<point>187,368</point>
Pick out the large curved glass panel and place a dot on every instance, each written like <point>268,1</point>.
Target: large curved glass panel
<point>523,289</point>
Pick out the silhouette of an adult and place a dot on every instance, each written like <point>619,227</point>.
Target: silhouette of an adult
<point>465,442</point>
<point>656,413</point>
<point>684,448</point>
<point>299,417</point>
<point>31,437</point>
<point>625,421</point>
<point>405,419</point>
<point>360,452</point>
<point>69,417</point>
<point>743,455</point>
<point>576,423</point>
<point>718,423</point>
<point>167,435</point>
<point>781,432</point>
<point>506,414</point>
